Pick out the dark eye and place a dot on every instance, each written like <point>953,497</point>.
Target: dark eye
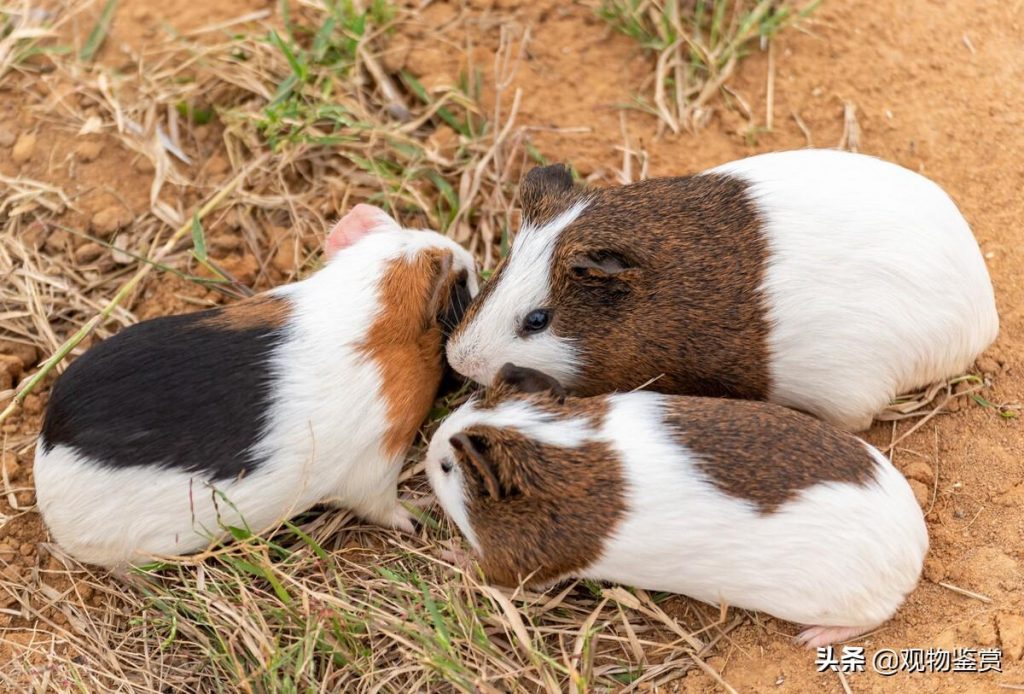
<point>536,321</point>
<point>446,465</point>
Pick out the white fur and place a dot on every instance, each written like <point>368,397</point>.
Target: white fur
<point>491,339</point>
<point>875,284</point>
<point>839,554</point>
<point>324,442</point>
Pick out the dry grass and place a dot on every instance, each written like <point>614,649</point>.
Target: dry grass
<point>697,45</point>
<point>328,606</point>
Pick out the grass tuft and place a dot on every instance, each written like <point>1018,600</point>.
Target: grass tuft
<point>697,44</point>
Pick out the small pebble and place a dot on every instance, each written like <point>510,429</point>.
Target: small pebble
<point>284,258</point>
<point>56,241</point>
<point>7,136</point>
<point>24,148</point>
<point>11,364</point>
<point>988,365</point>
<point>27,549</point>
<point>26,499</point>
<point>921,492</point>
<point>89,150</point>
<point>88,253</point>
<point>33,404</point>
<point>120,246</point>
<point>216,165</point>
<point>934,570</point>
<point>9,463</point>
<point>920,471</point>
<point>109,220</point>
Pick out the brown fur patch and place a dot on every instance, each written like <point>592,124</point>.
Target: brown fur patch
<point>559,505</point>
<point>406,338</point>
<point>687,309</point>
<point>263,310</point>
<point>765,453</point>
<point>547,191</point>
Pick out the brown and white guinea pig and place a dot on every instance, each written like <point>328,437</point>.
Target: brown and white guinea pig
<point>739,502</point>
<point>822,280</point>
<point>161,437</point>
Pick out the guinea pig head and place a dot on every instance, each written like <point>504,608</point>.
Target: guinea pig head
<point>527,478</point>
<point>607,289</point>
<point>559,284</point>
<point>424,282</point>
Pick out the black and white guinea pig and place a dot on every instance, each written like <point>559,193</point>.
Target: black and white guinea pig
<point>159,438</point>
<point>822,280</point>
<point>739,502</point>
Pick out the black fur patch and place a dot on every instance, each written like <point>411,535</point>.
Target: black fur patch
<point>451,315</point>
<point>174,392</point>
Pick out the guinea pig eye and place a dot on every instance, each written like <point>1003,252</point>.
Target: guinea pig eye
<point>446,465</point>
<point>536,321</point>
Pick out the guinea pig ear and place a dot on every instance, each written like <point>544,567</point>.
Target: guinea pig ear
<point>438,265</point>
<point>473,451</point>
<point>543,189</point>
<point>526,380</point>
<point>601,265</point>
<point>357,223</point>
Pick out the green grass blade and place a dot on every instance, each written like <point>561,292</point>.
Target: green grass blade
<point>99,32</point>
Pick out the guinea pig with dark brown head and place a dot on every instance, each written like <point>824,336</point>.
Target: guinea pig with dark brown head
<point>728,501</point>
<point>822,280</point>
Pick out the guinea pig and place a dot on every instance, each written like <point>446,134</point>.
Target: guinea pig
<point>826,281</point>
<point>734,502</point>
<point>160,438</point>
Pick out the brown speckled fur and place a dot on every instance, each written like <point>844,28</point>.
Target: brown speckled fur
<point>765,453</point>
<point>690,310</point>
<point>405,340</point>
<point>260,311</point>
<point>557,508</point>
<point>547,191</point>
<point>687,311</point>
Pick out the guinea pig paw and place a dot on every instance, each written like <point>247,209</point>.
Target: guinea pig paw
<point>458,557</point>
<point>815,637</point>
<point>402,520</point>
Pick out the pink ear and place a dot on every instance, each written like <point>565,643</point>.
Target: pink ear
<point>360,220</point>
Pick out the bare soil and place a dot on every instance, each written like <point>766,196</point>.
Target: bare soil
<point>935,86</point>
